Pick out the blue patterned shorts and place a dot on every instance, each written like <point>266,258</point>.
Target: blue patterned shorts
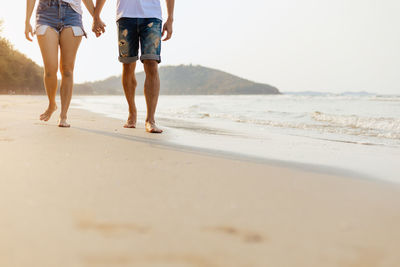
<point>57,15</point>
<point>135,32</point>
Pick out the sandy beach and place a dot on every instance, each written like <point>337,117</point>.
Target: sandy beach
<point>97,194</point>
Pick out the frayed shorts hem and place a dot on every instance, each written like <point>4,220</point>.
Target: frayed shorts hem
<point>151,57</point>
<point>127,60</point>
<point>42,28</point>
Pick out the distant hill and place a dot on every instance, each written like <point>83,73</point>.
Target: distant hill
<point>18,74</point>
<point>183,80</point>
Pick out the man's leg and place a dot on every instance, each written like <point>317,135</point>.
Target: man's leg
<point>128,41</point>
<point>129,83</point>
<point>151,92</point>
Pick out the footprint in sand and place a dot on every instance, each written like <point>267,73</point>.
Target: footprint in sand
<point>244,235</point>
<point>5,139</point>
<point>187,260</point>
<point>364,256</point>
<point>109,228</point>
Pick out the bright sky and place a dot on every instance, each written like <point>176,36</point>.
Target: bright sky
<point>296,45</point>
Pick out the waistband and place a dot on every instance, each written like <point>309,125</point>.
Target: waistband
<point>54,2</point>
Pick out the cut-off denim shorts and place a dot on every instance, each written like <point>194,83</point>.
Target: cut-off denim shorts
<point>133,32</point>
<point>57,15</point>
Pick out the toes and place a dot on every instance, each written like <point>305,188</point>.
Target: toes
<point>129,124</point>
<point>47,114</point>
<point>154,130</point>
<point>44,118</point>
<point>63,123</point>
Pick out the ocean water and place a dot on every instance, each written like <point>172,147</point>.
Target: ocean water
<point>359,134</point>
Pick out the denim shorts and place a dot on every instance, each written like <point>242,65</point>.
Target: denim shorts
<point>133,32</point>
<point>57,15</point>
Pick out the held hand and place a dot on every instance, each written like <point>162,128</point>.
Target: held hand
<point>28,30</point>
<point>99,27</point>
<point>167,28</point>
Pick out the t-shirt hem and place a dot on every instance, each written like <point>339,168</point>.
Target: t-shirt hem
<point>139,17</point>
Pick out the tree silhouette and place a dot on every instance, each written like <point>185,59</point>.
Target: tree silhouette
<point>18,73</point>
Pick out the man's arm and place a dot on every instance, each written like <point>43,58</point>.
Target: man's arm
<point>98,25</point>
<point>99,8</point>
<point>168,24</point>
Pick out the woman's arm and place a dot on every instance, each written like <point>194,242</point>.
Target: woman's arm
<point>30,5</point>
<point>93,11</point>
<point>98,25</point>
<point>90,6</point>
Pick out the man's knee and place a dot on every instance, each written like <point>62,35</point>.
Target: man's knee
<point>150,67</point>
<point>128,68</point>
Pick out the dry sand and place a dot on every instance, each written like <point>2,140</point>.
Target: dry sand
<point>101,195</point>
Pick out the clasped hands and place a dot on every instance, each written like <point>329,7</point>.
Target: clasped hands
<point>99,27</point>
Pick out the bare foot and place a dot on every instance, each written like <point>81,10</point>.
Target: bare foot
<point>131,122</point>
<point>47,114</point>
<point>152,128</point>
<point>63,123</point>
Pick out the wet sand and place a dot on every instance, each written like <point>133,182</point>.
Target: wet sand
<point>97,194</point>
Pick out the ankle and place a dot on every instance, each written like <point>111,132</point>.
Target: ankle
<point>52,105</point>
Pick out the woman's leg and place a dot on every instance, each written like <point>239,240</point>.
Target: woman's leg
<point>49,47</point>
<point>69,45</point>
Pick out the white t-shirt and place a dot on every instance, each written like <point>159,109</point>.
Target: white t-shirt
<point>75,4</point>
<point>139,9</point>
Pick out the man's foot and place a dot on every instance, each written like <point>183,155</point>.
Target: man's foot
<point>47,114</point>
<point>152,128</point>
<point>131,122</point>
<point>63,123</point>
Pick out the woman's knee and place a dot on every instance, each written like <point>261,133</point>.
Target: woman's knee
<point>67,71</point>
<point>50,72</point>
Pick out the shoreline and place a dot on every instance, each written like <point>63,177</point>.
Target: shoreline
<point>315,168</point>
<point>97,194</point>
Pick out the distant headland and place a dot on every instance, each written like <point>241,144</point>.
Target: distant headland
<point>183,80</point>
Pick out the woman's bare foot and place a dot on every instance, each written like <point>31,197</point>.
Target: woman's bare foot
<point>131,122</point>
<point>151,127</point>
<point>47,114</point>
<point>63,123</point>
